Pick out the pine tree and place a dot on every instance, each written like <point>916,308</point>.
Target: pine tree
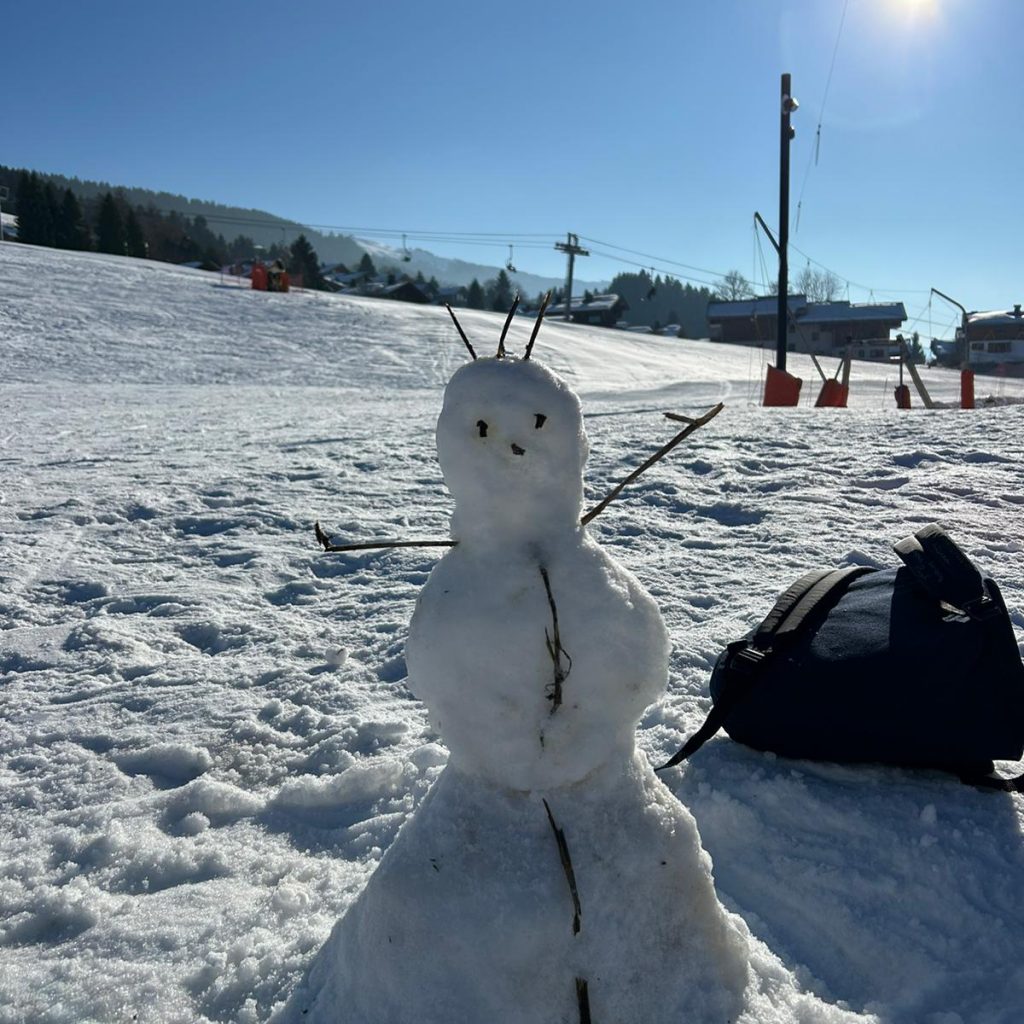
<point>475,295</point>
<point>35,209</point>
<point>500,293</point>
<point>211,259</point>
<point>50,215</point>
<point>305,263</point>
<point>26,207</point>
<point>366,265</point>
<point>110,236</point>
<point>135,239</point>
<point>71,231</point>
<point>242,248</point>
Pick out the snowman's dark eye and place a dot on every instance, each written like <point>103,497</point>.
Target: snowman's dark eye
<point>541,418</point>
<point>482,428</point>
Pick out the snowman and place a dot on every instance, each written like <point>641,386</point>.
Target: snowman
<point>548,875</point>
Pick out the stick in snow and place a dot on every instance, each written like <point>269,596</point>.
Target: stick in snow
<point>536,326</point>
<point>583,1000</point>
<point>458,327</point>
<point>555,648</point>
<point>504,330</point>
<point>570,875</point>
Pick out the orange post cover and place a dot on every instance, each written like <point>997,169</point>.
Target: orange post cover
<point>902,396</point>
<point>833,395</point>
<point>966,389</point>
<point>781,388</point>
<point>259,277</point>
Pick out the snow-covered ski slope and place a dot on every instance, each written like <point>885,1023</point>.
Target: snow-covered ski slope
<point>206,742</point>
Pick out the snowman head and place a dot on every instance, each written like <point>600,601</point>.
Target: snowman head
<point>512,447</point>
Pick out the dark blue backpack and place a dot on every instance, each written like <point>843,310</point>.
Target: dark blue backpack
<point>915,666</point>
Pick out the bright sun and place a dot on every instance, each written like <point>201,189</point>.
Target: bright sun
<point>914,9</point>
<point>911,15</point>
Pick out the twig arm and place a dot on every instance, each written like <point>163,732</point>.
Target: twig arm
<point>691,426</point>
<point>377,545</point>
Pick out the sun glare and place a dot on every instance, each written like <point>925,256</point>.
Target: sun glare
<point>912,12</point>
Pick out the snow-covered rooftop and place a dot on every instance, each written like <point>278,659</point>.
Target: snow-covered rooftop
<point>845,312</point>
<point>596,303</point>
<point>765,305</point>
<point>805,311</point>
<point>997,316</point>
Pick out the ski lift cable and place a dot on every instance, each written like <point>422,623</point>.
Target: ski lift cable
<point>500,238</point>
<point>651,256</point>
<point>926,309</point>
<point>764,262</point>
<point>539,238</point>
<point>531,240</point>
<point>754,252</point>
<point>674,274</point>
<point>812,159</point>
<point>856,284</point>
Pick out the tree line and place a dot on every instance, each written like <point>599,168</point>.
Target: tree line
<point>108,223</point>
<point>657,301</point>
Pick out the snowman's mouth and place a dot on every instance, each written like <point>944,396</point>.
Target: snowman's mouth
<point>516,450</point>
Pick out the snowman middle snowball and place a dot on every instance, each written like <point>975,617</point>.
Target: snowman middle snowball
<point>526,593</point>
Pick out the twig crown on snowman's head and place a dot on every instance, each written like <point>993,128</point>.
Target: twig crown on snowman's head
<point>501,353</point>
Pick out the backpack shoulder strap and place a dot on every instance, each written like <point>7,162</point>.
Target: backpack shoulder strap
<point>942,568</point>
<point>745,659</point>
<point>820,593</point>
<point>787,601</point>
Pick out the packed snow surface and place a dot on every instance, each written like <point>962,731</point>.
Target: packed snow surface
<point>207,741</point>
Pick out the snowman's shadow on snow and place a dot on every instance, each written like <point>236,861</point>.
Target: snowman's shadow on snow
<point>863,877</point>
<point>340,831</point>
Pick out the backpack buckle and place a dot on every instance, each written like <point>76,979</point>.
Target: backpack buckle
<point>981,608</point>
<point>745,659</point>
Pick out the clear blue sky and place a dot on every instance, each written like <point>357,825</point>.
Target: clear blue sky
<point>647,125</point>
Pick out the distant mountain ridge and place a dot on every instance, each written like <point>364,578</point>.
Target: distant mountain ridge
<point>267,228</point>
<point>461,272</point>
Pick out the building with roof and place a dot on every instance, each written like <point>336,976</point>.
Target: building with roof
<point>820,328</point>
<point>404,291</point>
<point>994,326</point>
<point>453,294</point>
<point>600,310</point>
<point>994,341</point>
